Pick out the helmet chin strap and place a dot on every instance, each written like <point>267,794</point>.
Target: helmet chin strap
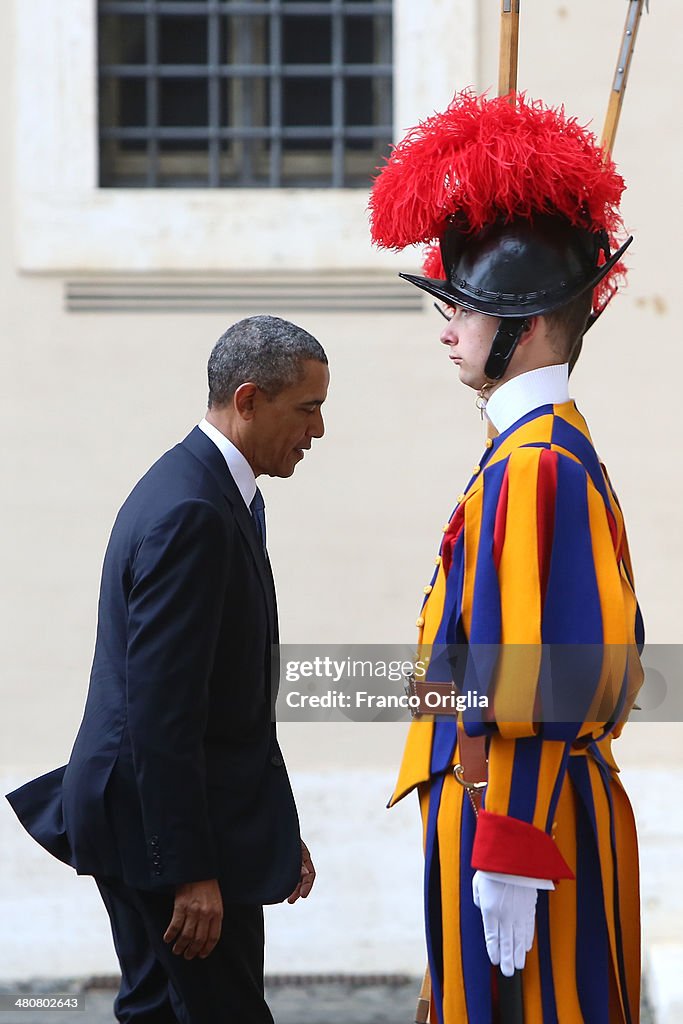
<point>503,346</point>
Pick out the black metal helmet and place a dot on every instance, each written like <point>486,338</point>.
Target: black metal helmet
<point>516,269</point>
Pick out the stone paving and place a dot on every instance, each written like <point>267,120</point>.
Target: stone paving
<point>333,1000</point>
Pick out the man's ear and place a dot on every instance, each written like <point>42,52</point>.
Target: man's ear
<point>530,329</point>
<point>244,400</point>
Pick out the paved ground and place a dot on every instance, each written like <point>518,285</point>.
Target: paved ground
<point>381,1000</point>
<point>296,1001</point>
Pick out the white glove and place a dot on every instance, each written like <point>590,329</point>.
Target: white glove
<point>508,910</point>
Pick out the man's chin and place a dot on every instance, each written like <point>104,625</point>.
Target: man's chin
<point>286,470</point>
<point>471,380</point>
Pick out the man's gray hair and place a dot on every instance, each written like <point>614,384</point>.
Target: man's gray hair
<point>264,350</point>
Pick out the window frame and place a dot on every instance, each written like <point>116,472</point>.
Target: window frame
<point>65,222</point>
<point>250,143</point>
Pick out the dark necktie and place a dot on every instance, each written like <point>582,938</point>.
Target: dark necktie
<point>258,513</point>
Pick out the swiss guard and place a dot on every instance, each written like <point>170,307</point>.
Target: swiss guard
<point>531,864</point>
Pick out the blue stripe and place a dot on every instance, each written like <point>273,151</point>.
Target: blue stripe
<point>559,782</point>
<point>440,668</point>
<point>572,613</point>
<point>640,630</point>
<point>444,738</point>
<point>525,775</point>
<point>567,436</point>
<point>476,967</point>
<point>592,947</point>
<point>616,713</point>
<point>481,664</point>
<point>545,964</point>
<point>572,617</point>
<point>452,608</point>
<point>432,896</point>
<point>605,777</point>
<point>485,627</point>
<point>486,619</point>
<point>543,410</point>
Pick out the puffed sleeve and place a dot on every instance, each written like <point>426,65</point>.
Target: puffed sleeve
<point>550,637</point>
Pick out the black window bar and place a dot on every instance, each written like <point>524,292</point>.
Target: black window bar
<point>229,93</point>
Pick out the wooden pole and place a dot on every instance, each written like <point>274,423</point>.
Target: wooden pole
<point>507,81</point>
<point>509,48</point>
<point>424,1002</point>
<point>628,42</point>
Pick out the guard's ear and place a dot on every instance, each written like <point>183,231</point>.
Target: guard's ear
<point>528,329</point>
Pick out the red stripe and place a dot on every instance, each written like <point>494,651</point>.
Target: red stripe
<point>614,531</point>
<point>455,528</point>
<point>611,518</point>
<point>545,514</point>
<point>501,519</point>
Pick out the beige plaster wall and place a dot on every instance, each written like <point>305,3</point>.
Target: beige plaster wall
<point>88,401</point>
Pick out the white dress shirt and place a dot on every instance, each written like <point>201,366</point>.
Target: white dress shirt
<point>549,385</point>
<point>240,470</point>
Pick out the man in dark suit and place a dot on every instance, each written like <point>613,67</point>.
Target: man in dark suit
<point>176,797</point>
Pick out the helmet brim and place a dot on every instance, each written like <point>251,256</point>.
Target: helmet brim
<point>501,305</point>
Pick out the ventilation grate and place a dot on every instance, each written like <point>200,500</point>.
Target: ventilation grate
<point>244,293</point>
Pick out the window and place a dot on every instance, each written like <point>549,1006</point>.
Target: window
<point>210,93</point>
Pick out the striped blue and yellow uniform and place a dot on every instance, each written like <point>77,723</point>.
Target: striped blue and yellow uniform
<point>534,559</point>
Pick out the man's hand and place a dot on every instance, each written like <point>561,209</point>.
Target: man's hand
<point>307,876</point>
<point>195,927</point>
<point>509,913</point>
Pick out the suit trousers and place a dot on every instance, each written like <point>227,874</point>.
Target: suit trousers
<point>159,987</point>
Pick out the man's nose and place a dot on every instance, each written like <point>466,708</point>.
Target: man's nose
<point>317,428</point>
<point>448,335</point>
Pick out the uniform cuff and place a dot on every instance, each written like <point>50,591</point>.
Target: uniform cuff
<point>515,847</point>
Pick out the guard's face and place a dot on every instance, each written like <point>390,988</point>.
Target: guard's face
<point>468,336</point>
<point>283,427</point>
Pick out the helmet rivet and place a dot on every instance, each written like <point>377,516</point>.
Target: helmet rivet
<point>477,291</point>
<point>563,284</point>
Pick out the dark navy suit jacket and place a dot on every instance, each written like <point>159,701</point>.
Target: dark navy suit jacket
<point>176,774</point>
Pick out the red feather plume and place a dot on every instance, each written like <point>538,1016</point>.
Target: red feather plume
<point>484,159</point>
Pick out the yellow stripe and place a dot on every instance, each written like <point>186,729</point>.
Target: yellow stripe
<point>501,764</point>
<point>565,451</point>
<point>614,632</point>
<point>448,828</point>
<point>607,570</point>
<point>535,432</point>
<point>514,689</point>
<point>416,758</point>
<point>562,913</point>
<point>432,612</point>
<point>552,753</point>
<point>629,895</point>
<point>538,430</point>
<point>423,797</point>
<point>568,412</point>
<point>520,587</point>
<point>520,597</point>
<point>603,818</point>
